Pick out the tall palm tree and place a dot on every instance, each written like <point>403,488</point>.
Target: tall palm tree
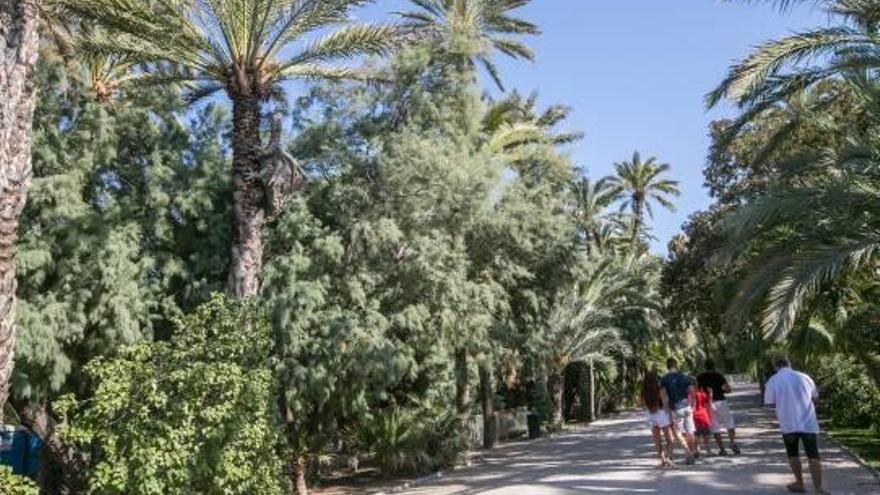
<point>19,44</point>
<point>471,31</point>
<point>781,67</point>
<point>639,183</point>
<point>592,199</point>
<point>246,50</point>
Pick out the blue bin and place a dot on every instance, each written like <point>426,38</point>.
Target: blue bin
<point>32,456</point>
<point>20,451</point>
<point>12,450</point>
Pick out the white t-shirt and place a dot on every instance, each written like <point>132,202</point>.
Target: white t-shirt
<point>792,393</point>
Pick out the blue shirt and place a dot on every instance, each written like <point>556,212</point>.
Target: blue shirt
<point>676,385</point>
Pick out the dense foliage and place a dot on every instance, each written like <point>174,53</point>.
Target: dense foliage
<point>191,415</point>
<point>16,485</point>
<point>430,254</point>
<point>785,260</point>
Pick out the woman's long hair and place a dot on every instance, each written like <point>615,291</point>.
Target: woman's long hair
<point>651,391</point>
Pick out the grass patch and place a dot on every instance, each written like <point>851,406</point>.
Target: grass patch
<point>864,441</point>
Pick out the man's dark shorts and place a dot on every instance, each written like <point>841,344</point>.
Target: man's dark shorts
<point>810,441</point>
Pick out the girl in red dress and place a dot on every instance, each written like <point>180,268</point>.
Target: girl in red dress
<point>702,401</point>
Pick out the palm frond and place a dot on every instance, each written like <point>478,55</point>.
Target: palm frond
<point>745,78</point>
<point>327,72</point>
<point>805,276</point>
<point>351,41</point>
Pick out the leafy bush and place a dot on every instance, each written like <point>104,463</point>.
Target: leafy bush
<point>848,396</point>
<point>193,415</point>
<point>16,485</point>
<point>413,440</point>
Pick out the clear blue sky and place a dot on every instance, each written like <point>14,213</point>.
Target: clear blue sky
<point>635,72</point>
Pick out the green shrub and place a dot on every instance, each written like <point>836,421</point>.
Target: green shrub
<point>16,485</point>
<point>194,415</point>
<point>413,440</point>
<point>848,397</point>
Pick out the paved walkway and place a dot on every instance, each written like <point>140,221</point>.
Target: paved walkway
<point>615,456</point>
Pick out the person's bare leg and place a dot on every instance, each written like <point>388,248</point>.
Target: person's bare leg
<point>667,432</point>
<point>816,474</point>
<point>731,434</point>
<point>655,432</point>
<point>719,441</point>
<point>682,440</point>
<point>798,471</point>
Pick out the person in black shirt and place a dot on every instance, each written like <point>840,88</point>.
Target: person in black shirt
<point>721,418</point>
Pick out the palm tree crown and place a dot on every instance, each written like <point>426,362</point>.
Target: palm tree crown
<point>472,30</point>
<point>239,47</point>
<point>638,183</point>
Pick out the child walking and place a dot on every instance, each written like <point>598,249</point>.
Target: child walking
<point>702,418</point>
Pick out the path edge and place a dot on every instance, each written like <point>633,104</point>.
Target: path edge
<point>853,454</point>
<point>439,474</point>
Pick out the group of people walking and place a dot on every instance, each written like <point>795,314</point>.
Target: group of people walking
<point>689,411</point>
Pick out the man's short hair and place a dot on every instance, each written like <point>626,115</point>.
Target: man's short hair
<point>710,364</point>
<point>671,363</point>
<point>782,362</point>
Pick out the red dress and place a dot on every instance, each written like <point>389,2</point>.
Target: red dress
<point>701,410</point>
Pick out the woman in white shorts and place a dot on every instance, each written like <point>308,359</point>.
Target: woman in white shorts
<point>658,417</point>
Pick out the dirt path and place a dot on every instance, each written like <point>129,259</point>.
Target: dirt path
<point>614,456</point>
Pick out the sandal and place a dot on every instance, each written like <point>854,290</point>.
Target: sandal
<point>795,488</point>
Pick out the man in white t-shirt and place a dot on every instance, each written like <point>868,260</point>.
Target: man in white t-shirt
<point>794,393</point>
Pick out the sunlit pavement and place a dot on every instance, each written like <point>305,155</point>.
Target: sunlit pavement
<point>615,456</point>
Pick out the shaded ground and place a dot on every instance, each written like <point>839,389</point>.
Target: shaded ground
<point>615,456</point>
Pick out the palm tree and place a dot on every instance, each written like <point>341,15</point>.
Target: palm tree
<point>527,138</point>
<point>243,50</point>
<point>779,68</point>
<point>804,237</point>
<point>581,326</point>
<point>19,45</point>
<point>592,199</point>
<point>639,183</point>
<point>470,31</point>
<point>514,121</point>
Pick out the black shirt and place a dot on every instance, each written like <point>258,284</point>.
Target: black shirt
<point>715,381</point>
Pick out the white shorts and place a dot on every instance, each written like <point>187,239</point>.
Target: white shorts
<point>659,419</point>
<point>683,419</point>
<point>721,417</point>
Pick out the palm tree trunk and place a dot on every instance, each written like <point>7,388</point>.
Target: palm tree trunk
<point>248,198</point>
<point>591,397</point>
<point>298,476</point>
<point>490,422</point>
<point>555,388</point>
<point>462,395</point>
<point>19,45</point>
<point>638,212</point>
